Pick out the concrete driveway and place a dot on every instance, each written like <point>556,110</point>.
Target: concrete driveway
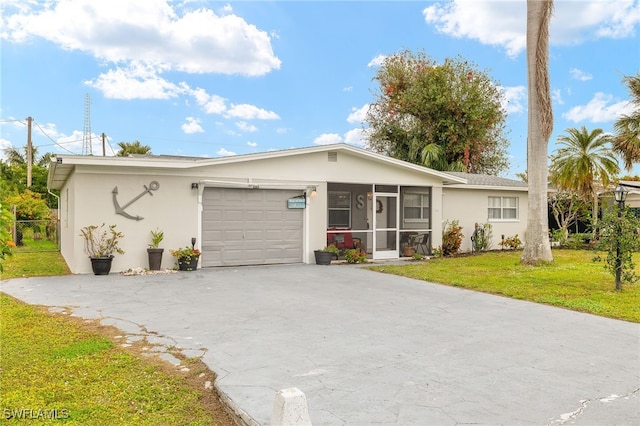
<point>369,348</point>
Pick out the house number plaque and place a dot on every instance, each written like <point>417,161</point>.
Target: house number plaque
<point>153,186</point>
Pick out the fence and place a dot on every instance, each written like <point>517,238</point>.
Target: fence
<point>36,235</point>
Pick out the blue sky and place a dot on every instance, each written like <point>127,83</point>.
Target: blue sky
<point>204,78</point>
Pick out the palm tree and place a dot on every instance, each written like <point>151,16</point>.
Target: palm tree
<point>583,160</point>
<point>627,127</point>
<point>15,157</point>
<point>128,148</point>
<point>537,248</point>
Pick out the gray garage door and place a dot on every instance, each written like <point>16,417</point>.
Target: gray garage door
<point>250,227</point>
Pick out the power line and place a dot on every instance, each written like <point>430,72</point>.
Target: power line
<point>51,139</point>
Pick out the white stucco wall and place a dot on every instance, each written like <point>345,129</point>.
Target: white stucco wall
<point>470,206</point>
<point>172,208</point>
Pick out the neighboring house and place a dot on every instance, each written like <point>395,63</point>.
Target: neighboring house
<point>633,197</point>
<point>268,208</point>
<point>485,199</point>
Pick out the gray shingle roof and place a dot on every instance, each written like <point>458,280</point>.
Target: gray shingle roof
<point>488,180</point>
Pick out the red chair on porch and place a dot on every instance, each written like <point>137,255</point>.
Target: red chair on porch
<point>343,240</point>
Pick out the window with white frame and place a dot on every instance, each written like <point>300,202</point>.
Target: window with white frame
<point>416,207</point>
<point>339,204</point>
<point>503,208</point>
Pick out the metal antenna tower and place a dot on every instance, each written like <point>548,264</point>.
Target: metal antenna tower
<point>87,149</point>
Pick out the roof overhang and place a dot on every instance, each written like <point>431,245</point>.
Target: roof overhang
<point>62,166</point>
<point>490,187</point>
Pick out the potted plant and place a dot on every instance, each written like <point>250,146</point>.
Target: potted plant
<point>325,255</point>
<point>408,250</point>
<point>187,258</point>
<point>154,252</point>
<point>100,244</point>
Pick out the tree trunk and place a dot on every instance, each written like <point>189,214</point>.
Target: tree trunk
<point>537,248</point>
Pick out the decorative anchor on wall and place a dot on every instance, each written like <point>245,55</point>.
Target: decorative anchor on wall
<point>153,186</point>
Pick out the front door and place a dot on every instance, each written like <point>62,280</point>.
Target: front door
<point>385,225</point>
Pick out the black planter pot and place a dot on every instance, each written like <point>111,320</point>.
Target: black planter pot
<point>188,263</point>
<point>323,257</point>
<point>101,265</point>
<point>155,258</point>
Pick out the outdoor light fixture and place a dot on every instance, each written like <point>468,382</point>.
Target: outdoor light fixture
<point>313,191</point>
<point>194,185</point>
<point>621,195</point>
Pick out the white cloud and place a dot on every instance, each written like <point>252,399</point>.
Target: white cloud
<point>212,104</point>
<point>192,126</point>
<point>503,23</point>
<point>489,22</point>
<point>577,74</point>
<point>348,89</point>
<point>356,137</point>
<point>599,109</point>
<point>328,139</point>
<point>151,32</point>
<point>513,99</point>
<point>282,130</point>
<point>135,82</point>
<point>250,112</point>
<point>377,61</point>
<point>358,115</point>
<point>246,127</point>
<point>74,141</point>
<point>252,144</point>
<point>556,95</point>
<point>225,153</point>
<point>4,144</point>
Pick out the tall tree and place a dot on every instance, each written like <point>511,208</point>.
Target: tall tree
<point>15,157</point>
<point>537,248</point>
<point>446,116</point>
<point>583,160</point>
<point>627,127</point>
<point>13,172</point>
<point>127,148</point>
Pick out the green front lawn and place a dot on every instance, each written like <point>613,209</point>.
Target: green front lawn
<point>33,264</point>
<point>572,281</point>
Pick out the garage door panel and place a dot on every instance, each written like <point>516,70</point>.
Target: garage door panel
<point>250,227</point>
<point>253,235</point>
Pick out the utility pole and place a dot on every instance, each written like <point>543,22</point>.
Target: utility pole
<point>29,152</point>
<point>104,137</point>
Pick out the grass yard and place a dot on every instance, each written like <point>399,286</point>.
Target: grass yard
<point>29,264</point>
<point>56,368</point>
<point>572,281</point>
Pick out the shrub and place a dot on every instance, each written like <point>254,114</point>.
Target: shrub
<point>482,236</point>
<point>559,236</point>
<point>355,256</point>
<point>578,241</point>
<point>511,242</point>
<point>451,238</point>
<point>620,239</point>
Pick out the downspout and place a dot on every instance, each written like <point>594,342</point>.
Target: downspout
<point>58,220</point>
